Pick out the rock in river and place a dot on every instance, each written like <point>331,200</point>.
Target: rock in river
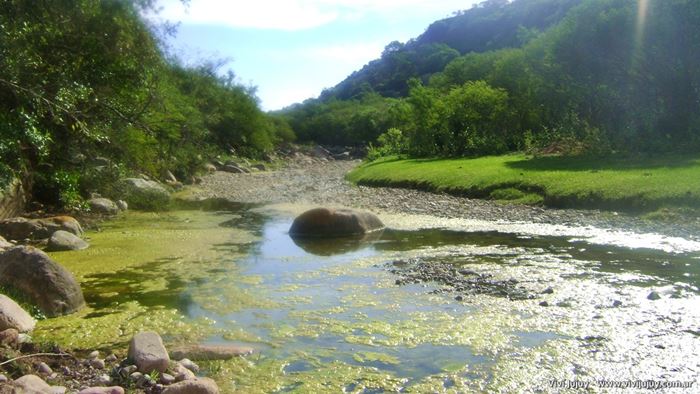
<point>46,283</point>
<point>325,222</point>
<point>21,228</point>
<point>148,352</point>
<point>144,194</point>
<point>63,240</point>
<point>103,205</point>
<point>13,316</point>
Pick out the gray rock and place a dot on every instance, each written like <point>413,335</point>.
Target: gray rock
<point>209,168</point>
<point>211,352</point>
<point>111,358</point>
<point>13,316</point>
<point>129,369</point>
<point>103,380</point>
<point>260,167</point>
<point>144,194</point>
<point>135,376</point>
<point>4,244</point>
<point>169,177</point>
<point>3,378</point>
<point>320,151</point>
<point>44,369</point>
<point>181,373</point>
<point>93,355</point>
<point>97,363</point>
<point>46,283</point>
<point>187,363</point>
<point>31,384</point>
<point>654,296</point>
<point>102,390</point>
<point>343,156</point>
<point>10,338</point>
<point>63,240</point>
<point>167,379</point>
<point>326,223</point>
<point>58,389</point>
<point>148,353</point>
<point>193,386</point>
<point>103,206</point>
<point>122,205</point>
<point>232,169</point>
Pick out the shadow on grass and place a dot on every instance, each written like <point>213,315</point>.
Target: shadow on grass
<point>553,163</point>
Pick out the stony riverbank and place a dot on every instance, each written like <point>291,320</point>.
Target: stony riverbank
<point>322,182</point>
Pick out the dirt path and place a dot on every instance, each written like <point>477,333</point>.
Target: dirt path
<point>317,182</point>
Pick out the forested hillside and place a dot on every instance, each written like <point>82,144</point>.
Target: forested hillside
<point>86,82</point>
<point>608,75</point>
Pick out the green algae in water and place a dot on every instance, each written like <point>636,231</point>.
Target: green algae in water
<point>144,271</point>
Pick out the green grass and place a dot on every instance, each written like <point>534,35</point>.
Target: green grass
<point>631,184</point>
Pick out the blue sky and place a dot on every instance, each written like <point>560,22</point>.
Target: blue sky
<point>292,49</point>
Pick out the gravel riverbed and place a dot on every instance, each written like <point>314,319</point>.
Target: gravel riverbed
<point>318,182</point>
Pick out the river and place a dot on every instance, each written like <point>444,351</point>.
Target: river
<point>433,304</point>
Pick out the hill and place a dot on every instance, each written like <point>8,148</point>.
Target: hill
<point>557,76</point>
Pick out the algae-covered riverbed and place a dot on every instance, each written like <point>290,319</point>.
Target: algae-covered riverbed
<point>343,317</point>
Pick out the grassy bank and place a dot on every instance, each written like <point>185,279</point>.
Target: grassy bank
<point>639,184</point>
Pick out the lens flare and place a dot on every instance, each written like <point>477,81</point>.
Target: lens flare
<point>642,12</point>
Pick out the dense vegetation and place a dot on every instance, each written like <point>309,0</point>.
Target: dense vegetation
<point>593,76</point>
<point>87,94</point>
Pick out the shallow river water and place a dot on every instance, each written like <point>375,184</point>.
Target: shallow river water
<point>429,305</point>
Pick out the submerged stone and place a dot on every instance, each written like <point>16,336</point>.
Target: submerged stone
<point>211,352</point>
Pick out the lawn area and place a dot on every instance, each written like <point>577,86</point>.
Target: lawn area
<point>626,184</point>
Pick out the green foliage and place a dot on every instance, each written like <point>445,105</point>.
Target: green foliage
<point>60,186</point>
<point>393,142</point>
<point>545,76</point>
<point>88,79</point>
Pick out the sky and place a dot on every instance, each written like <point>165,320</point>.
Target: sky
<point>293,49</point>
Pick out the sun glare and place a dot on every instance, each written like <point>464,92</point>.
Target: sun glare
<point>642,12</point>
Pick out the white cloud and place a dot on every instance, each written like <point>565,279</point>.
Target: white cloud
<point>297,14</point>
<point>354,53</point>
<point>284,96</point>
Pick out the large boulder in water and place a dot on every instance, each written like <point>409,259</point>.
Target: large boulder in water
<point>144,194</point>
<point>325,223</point>
<point>63,240</point>
<point>43,281</point>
